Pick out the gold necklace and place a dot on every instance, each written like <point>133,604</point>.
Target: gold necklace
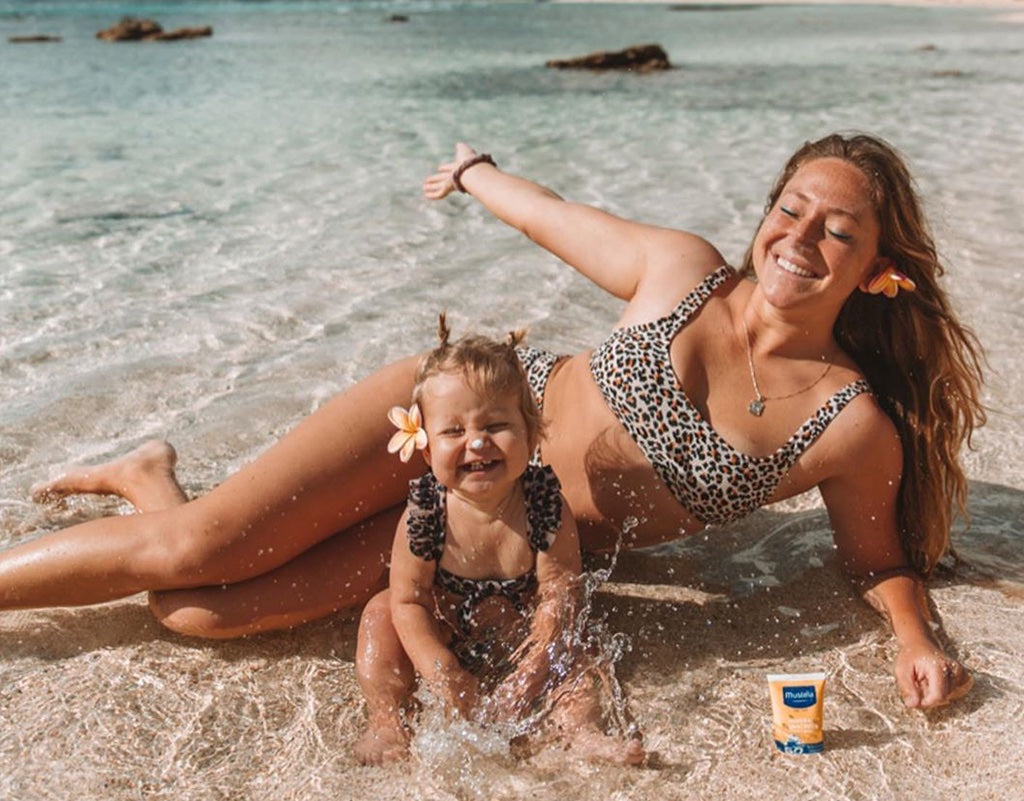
<point>756,406</point>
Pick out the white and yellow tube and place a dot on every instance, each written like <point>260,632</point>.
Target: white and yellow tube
<point>798,706</point>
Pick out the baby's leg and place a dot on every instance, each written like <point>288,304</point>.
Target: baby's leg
<point>576,722</point>
<point>387,679</point>
<point>145,478</point>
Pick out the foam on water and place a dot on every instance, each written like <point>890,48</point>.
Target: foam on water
<point>204,241</point>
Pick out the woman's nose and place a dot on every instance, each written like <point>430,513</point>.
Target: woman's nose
<point>805,232</point>
<point>477,443</point>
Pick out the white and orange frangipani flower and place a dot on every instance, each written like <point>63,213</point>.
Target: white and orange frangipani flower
<point>411,435</point>
<point>888,282</point>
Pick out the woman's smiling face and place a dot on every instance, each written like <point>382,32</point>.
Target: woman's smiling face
<point>820,238</point>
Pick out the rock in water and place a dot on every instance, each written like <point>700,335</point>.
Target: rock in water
<point>131,29</point>
<point>32,39</point>
<point>184,33</point>
<point>638,58</point>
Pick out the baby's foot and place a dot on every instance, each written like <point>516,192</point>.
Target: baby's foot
<point>146,474</point>
<point>383,742</point>
<point>596,746</point>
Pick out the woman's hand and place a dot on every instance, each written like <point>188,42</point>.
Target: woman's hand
<point>440,184</point>
<point>926,677</point>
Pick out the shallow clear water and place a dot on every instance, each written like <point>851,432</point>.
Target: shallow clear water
<point>205,240</point>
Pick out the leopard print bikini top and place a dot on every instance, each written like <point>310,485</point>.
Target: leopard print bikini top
<point>426,527</point>
<point>711,479</point>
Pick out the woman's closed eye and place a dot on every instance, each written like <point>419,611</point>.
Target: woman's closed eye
<point>794,214</point>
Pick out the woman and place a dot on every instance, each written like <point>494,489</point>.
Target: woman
<point>683,417</point>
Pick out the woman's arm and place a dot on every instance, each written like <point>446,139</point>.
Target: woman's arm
<point>618,255</point>
<point>924,674</point>
<point>551,637</point>
<point>412,611</point>
<point>861,500</point>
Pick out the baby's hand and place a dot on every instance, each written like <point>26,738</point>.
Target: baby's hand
<point>461,692</point>
<point>440,184</point>
<point>505,703</point>
<point>929,678</point>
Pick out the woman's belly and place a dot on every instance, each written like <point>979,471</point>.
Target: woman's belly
<point>611,487</point>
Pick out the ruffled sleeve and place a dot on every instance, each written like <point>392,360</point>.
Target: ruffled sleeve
<point>425,520</point>
<point>543,493</point>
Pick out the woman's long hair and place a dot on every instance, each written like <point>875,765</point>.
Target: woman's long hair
<point>922,363</point>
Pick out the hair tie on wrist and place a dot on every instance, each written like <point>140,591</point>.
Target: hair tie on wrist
<point>483,158</point>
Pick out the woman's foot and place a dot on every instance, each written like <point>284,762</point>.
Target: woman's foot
<point>145,477</point>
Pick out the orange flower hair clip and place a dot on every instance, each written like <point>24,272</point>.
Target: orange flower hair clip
<point>888,282</point>
<point>411,435</point>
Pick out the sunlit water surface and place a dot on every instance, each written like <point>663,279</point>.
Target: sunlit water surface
<point>205,240</point>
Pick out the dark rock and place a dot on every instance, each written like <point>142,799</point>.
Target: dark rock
<point>715,7</point>
<point>398,18</point>
<point>131,29</point>
<point>32,39</point>
<point>184,33</point>
<point>638,58</point>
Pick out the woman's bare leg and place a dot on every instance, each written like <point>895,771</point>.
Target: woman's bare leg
<point>387,679</point>
<point>329,474</point>
<point>342,572</point>
<point>145,478</point>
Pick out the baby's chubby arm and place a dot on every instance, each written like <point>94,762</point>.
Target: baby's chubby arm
<point>555,613</point>
<point>412,611</point>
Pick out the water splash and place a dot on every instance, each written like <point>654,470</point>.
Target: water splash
<point>580,691</point>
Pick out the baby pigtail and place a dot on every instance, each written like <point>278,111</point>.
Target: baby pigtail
<point>443,331</point>
<point>515,338</point>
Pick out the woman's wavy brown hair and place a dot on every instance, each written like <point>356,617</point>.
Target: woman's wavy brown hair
<point>924,366</point>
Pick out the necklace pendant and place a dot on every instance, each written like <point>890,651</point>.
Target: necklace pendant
<point>756,407</point>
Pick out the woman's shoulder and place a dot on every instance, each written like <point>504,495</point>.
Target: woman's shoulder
<point>681,258</point>
<point>675,270</point>
<point>862,438</point>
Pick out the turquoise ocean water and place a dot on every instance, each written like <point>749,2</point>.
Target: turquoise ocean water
<point>223,230</point>
<point>204,240</point>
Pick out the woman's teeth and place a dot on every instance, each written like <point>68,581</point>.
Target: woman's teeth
<point>789,267</point>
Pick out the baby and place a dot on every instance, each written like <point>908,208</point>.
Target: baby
<point>485,589</point>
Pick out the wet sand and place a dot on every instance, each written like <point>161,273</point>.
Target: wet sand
<point>103,704</point>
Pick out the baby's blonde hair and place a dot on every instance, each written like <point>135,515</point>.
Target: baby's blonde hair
<point>490,368</point>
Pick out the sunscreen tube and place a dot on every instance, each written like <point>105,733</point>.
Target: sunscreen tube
<point>798,705</point>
